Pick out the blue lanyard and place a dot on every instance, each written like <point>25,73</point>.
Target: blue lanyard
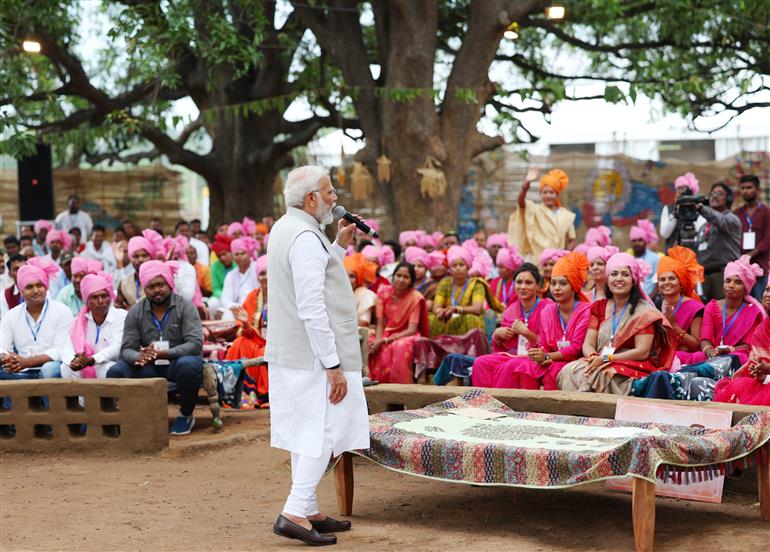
<point>264,315</point>
<point>423,285</point>
<point>137,290</point>
<point>616,323</point>
<point>561,320</point>
<point>529,313</point>
<point>98,331</point>
<point>34,330</point>
<point>726,327</point>
<point>161,325</point>
<point>506,292</point>
<point>748,218</point>
<point>679,304</point>
<point>462,292</point>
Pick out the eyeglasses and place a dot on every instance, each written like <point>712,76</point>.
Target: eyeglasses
<point>717,194</point>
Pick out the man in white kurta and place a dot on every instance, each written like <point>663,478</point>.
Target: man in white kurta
<point>317,404</point>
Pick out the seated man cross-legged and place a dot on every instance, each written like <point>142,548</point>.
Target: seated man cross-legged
<point>34,333</point>
<point>163,338</point>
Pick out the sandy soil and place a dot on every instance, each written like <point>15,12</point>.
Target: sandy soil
<point>222,492</point>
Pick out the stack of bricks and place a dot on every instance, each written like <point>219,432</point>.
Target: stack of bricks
<point>84,415</point>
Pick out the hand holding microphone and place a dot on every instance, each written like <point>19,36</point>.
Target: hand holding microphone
<point>340,213</point>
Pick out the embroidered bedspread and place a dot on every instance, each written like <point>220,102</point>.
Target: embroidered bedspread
<point>475,438</point>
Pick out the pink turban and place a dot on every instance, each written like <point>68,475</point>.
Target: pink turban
<point>639,269</point>
<point>497,239</point>
<point>150,241</point>
<point>249,226</point>
<point>246,244</point>
<point>437,237</point>
<point>747,272</point>
<point>417,255</point>
<point>43,224</point>
<point>37,269</point>
<point>175,247</point>
<point>90,285</point>
<point>554,255</point>
<point>509,258</point>
<point>407,236</point>
<point>82,264</point>
<point>235,227</point>
<point>385,256</point>
<point>602,253</point>
<point>61,236</point>
<point>482,264</point>
<point>457,252</point>
<point>261,265</point>
<point>687,180</point>
<point>582,248</point>
<point>471,245</point>
<point>437,259</point>
<point>644,230</point>
<point>601,236</point>
<point>426,240</point>
<point>370,252</point>
<point>373,224</point>
<point>153,269</point>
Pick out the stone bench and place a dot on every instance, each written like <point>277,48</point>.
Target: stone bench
<point>95,415</point>
<point>392,396</point>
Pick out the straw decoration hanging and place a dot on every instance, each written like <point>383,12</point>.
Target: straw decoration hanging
<point>361,181</point>
<point>433,182</point>
<point>341,169</point>
<point>383,169</point>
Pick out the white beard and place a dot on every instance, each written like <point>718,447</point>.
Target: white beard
<point>324,214</point>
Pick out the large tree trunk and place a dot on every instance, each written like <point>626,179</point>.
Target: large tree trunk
<point>238,193</point>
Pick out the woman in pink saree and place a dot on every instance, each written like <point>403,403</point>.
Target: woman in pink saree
<point>678,274</point>
<point>751,384</point>
<point>517,334</point>
<point>402,317</point>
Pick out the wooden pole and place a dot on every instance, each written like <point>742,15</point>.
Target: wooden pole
<point>643,512</point>
<point>343,479</point>
<point>763,479</point>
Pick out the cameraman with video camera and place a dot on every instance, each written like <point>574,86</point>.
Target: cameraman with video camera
<point>719,241</point>
<point>680,223</point>
<point>755,226</point>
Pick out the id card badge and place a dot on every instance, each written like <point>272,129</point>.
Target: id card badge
<point>562,344</point>
<point>521,350</point>
<point>607,350</point>
<point>161,346</point>
<point>749,240</point>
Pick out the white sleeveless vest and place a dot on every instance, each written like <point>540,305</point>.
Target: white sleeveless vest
<point>287,341</point>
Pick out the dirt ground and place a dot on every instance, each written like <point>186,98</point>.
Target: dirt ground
<point>222,492</point>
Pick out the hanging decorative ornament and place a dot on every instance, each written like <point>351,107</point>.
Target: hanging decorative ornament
<point>433,182</point>
<point>383,165</point>
<point>361,181</point>
<point>341,169</point>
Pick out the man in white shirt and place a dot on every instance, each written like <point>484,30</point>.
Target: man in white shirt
<point>97,332</point>
<point>10,297</point>
<point>318,408</point>
<point>34,333</point>
<point>74,217</point>
<point>241,281</point>
<point>99,250</point>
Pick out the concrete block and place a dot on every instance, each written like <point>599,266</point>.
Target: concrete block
<point>119,415</point>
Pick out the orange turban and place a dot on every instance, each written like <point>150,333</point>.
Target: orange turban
<point>574,267</point>
<point>366,270</point>
<point>684,263</point>
<point>556,179</point>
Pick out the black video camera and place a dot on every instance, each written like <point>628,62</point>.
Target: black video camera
<point>685,206</point>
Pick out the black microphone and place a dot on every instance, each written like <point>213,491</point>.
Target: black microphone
<point>340,212</point>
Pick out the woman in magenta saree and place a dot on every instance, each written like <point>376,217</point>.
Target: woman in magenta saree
<point>402,318</point>
<point>516,335</point>
<point>678,274</point>
<point>751,384</point>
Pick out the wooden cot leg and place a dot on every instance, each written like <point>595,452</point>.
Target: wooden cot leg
<point>643,512</point>
<point>343,479</point>
<point>763,479</point>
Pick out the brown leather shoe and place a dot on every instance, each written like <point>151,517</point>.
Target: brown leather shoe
<point>287,528</point>
<point>330,525</point>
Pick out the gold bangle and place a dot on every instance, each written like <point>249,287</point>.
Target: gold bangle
<point>459,310</point>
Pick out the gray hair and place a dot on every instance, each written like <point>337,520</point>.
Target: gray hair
<point>300,182</point>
